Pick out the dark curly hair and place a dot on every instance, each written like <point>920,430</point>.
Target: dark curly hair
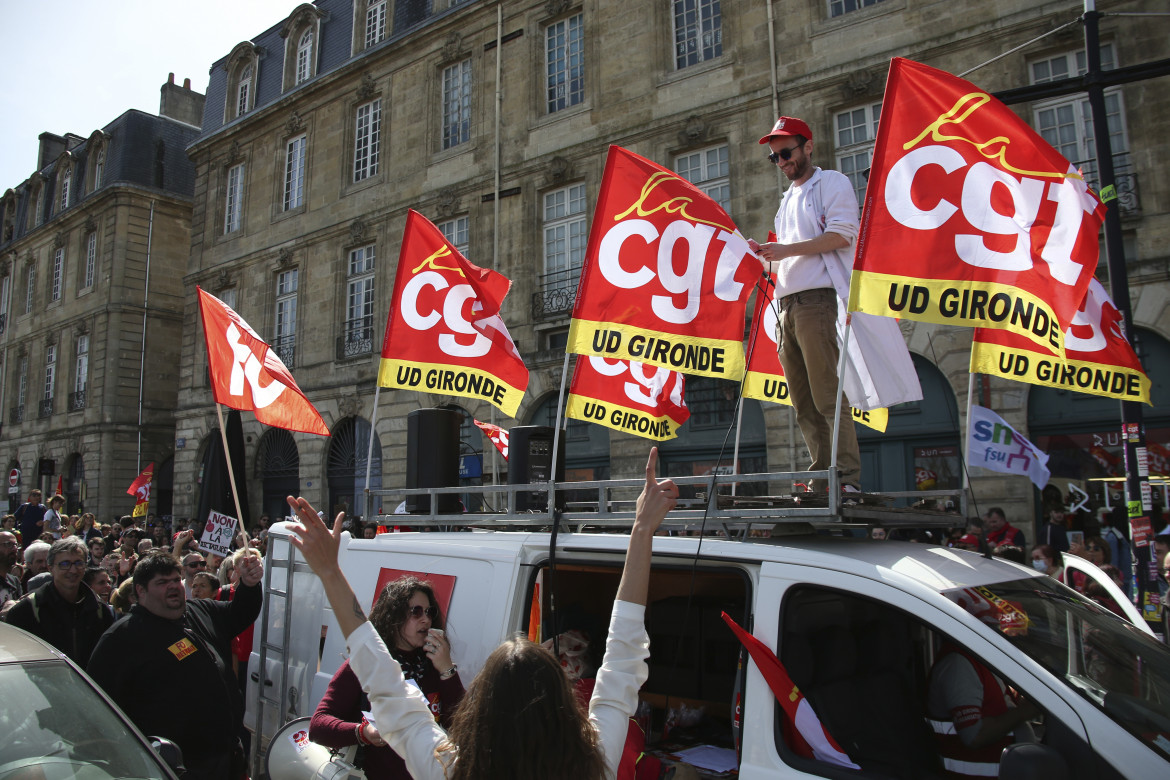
<point>152,565</point>
<point>389,614</point>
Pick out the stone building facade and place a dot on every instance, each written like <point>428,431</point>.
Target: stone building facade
<point>92,252</point>
<point>320,132</point>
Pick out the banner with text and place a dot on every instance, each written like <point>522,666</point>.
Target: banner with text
<point>628,396</point>
<point>666,276</point>
<point>995,445</point>
<point>438,339</point>
<point>765,375</point>
<point>970,217</point>
<point>218,533</point>
<point>1098,358</point>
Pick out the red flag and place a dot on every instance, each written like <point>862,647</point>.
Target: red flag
<point>441,337</point>
<point>970,217</point>
<point>247,375</point>
<point>1098,358</point>
<point>140,489</point>
<point>667,274</point>
<point>644,400</point>
<point>60,485</point>
<point>808,737</point>
<point>496,434</point>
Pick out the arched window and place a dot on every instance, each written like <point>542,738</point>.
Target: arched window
<point>244,91</point>
<point>278,466</point>
<point>348,447</point>
<point>304,57</point>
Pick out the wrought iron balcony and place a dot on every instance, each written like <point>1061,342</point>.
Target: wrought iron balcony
<point>357,340</point>
<point>46,407</point>
<point>16,414</point>
<point>557,293</point>
<point>77,400</point>
<point>285,348</point>
<point>1125,180</point>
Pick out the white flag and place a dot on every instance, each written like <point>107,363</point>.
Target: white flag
<point>995,445</point>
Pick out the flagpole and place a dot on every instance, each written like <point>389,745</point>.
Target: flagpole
<point>552,477</point>
<point>834,484</point>
<point>735,452</point>
<point>370,452</point>
<point>227,455</point>
<point>966,440</point>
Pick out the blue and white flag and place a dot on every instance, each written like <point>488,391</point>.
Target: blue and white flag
<point>995,445</point>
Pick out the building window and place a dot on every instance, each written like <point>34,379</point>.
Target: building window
<point>707,169</point>
<point>367,139</point>
<point>456,232</point>
<point>39,217</point>
<point>565,62</point>
<point>234,200</point>
<point>58,274</point>
<point>5,288</point>
<point>22,383</point>
<point>375,22</point>
<point>711,401</point>
<point>842,7</point>
<point>294,173</point>
<point>244,91</point>
<point>66,184</point>
<point>698,32</point>
<point>304,57</point>
<point>99,168</point>
<point>1067,123</point>
<point>856,133</point>
<point>90,260</point>
<point>456,104</point>
<point>30,287</point>
<point>50,380</point>
<point>285,339</point>
<point>359,310</point>
<point>565,233</point>
<point>80,373</point>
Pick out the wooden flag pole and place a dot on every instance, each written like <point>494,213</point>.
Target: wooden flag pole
<point>370,453</point>
<point>227,455</point>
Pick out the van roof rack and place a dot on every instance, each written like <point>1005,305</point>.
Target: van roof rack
<point>732,503</point>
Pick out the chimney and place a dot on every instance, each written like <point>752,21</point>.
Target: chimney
<point>51,147</point>
<point>181,103</point>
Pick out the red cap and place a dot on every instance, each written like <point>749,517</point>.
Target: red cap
<point>787,126</point>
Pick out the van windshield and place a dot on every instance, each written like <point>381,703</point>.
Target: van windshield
<point>1123,671</point>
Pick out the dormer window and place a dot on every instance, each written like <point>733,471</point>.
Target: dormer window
<point>304,57</point>
<point>375,22</point>
<point>64,184</point>
<point>244,91</point>
<point>243,81</point>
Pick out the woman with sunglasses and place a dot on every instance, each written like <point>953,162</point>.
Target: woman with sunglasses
<point>407,618</point>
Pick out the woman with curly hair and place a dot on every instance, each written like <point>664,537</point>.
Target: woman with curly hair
<point>519,719</point>
<point>407,617</point>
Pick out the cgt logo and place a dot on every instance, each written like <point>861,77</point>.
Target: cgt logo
<point>648,381</point>
<point>465,340</point>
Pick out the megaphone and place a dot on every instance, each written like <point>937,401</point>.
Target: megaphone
<point>291,756</point>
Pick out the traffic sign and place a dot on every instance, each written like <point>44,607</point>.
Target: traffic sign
<point>14,478</point>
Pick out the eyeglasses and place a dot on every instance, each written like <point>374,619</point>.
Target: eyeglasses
<point>783,154</point>
<point>417,612</point>
<point>196,565</point>
<point>67,565</point>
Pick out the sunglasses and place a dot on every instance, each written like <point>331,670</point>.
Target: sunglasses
<point>783,154</point>
<point>417,612</point>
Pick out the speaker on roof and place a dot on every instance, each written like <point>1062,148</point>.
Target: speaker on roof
<point>432,458</point>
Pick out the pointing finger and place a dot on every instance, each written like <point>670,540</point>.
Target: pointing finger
<point>652,467</point>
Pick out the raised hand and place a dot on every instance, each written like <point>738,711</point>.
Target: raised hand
<point>313,538</point>
<point>658,496</point>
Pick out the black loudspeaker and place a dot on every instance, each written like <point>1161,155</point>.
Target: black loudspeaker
<point>432,458</point>
<point>530,450</point>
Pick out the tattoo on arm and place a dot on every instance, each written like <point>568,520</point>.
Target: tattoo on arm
<point>357,610</point>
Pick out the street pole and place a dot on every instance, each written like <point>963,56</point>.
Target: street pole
<point>1133,431</point>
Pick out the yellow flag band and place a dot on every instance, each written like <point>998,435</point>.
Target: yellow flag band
<point>947,302</point>
<point>774,389</point>
<point>722,359</point>
<point>620,418</point>
<point>1093,378</point>
<point>450,380</point>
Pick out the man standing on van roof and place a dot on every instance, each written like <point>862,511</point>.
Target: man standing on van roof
<point>815,229</point>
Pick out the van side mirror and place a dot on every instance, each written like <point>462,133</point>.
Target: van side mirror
<point>1031,761</point>
<point>170,753</point>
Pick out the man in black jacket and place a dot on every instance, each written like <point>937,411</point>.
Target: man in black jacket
<point>65,612</point>
<point>166,637</point>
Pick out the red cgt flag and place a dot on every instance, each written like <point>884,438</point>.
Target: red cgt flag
<point>625,395</point>
<point>970,217</point>
<point>140,487</point>
<point>1098,358</point>
<point>497,435</point>
<point>666,277</point>
<point>247,375</point>
<point>441,336</point>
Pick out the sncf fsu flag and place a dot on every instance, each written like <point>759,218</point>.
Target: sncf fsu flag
<point>496,434</point>
<point>1098,358</point>
<point>802,729</point>
<point>644,400</point>
<point>765,375</point>
<point>667,274</point>
<point>247,375</point>
<point>970,217</point>
<point>441,336</point>
<point>140,489</point>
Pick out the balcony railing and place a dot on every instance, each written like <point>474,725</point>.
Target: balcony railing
<point>285,348</point>
<point>357,340</point>
<point>46,407</point>
<point>16,414</point>
<point>77,400</point>
<point>1125,180</point>
<point>557,293</point>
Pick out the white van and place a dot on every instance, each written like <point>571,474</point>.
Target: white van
<point>857,624</point>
